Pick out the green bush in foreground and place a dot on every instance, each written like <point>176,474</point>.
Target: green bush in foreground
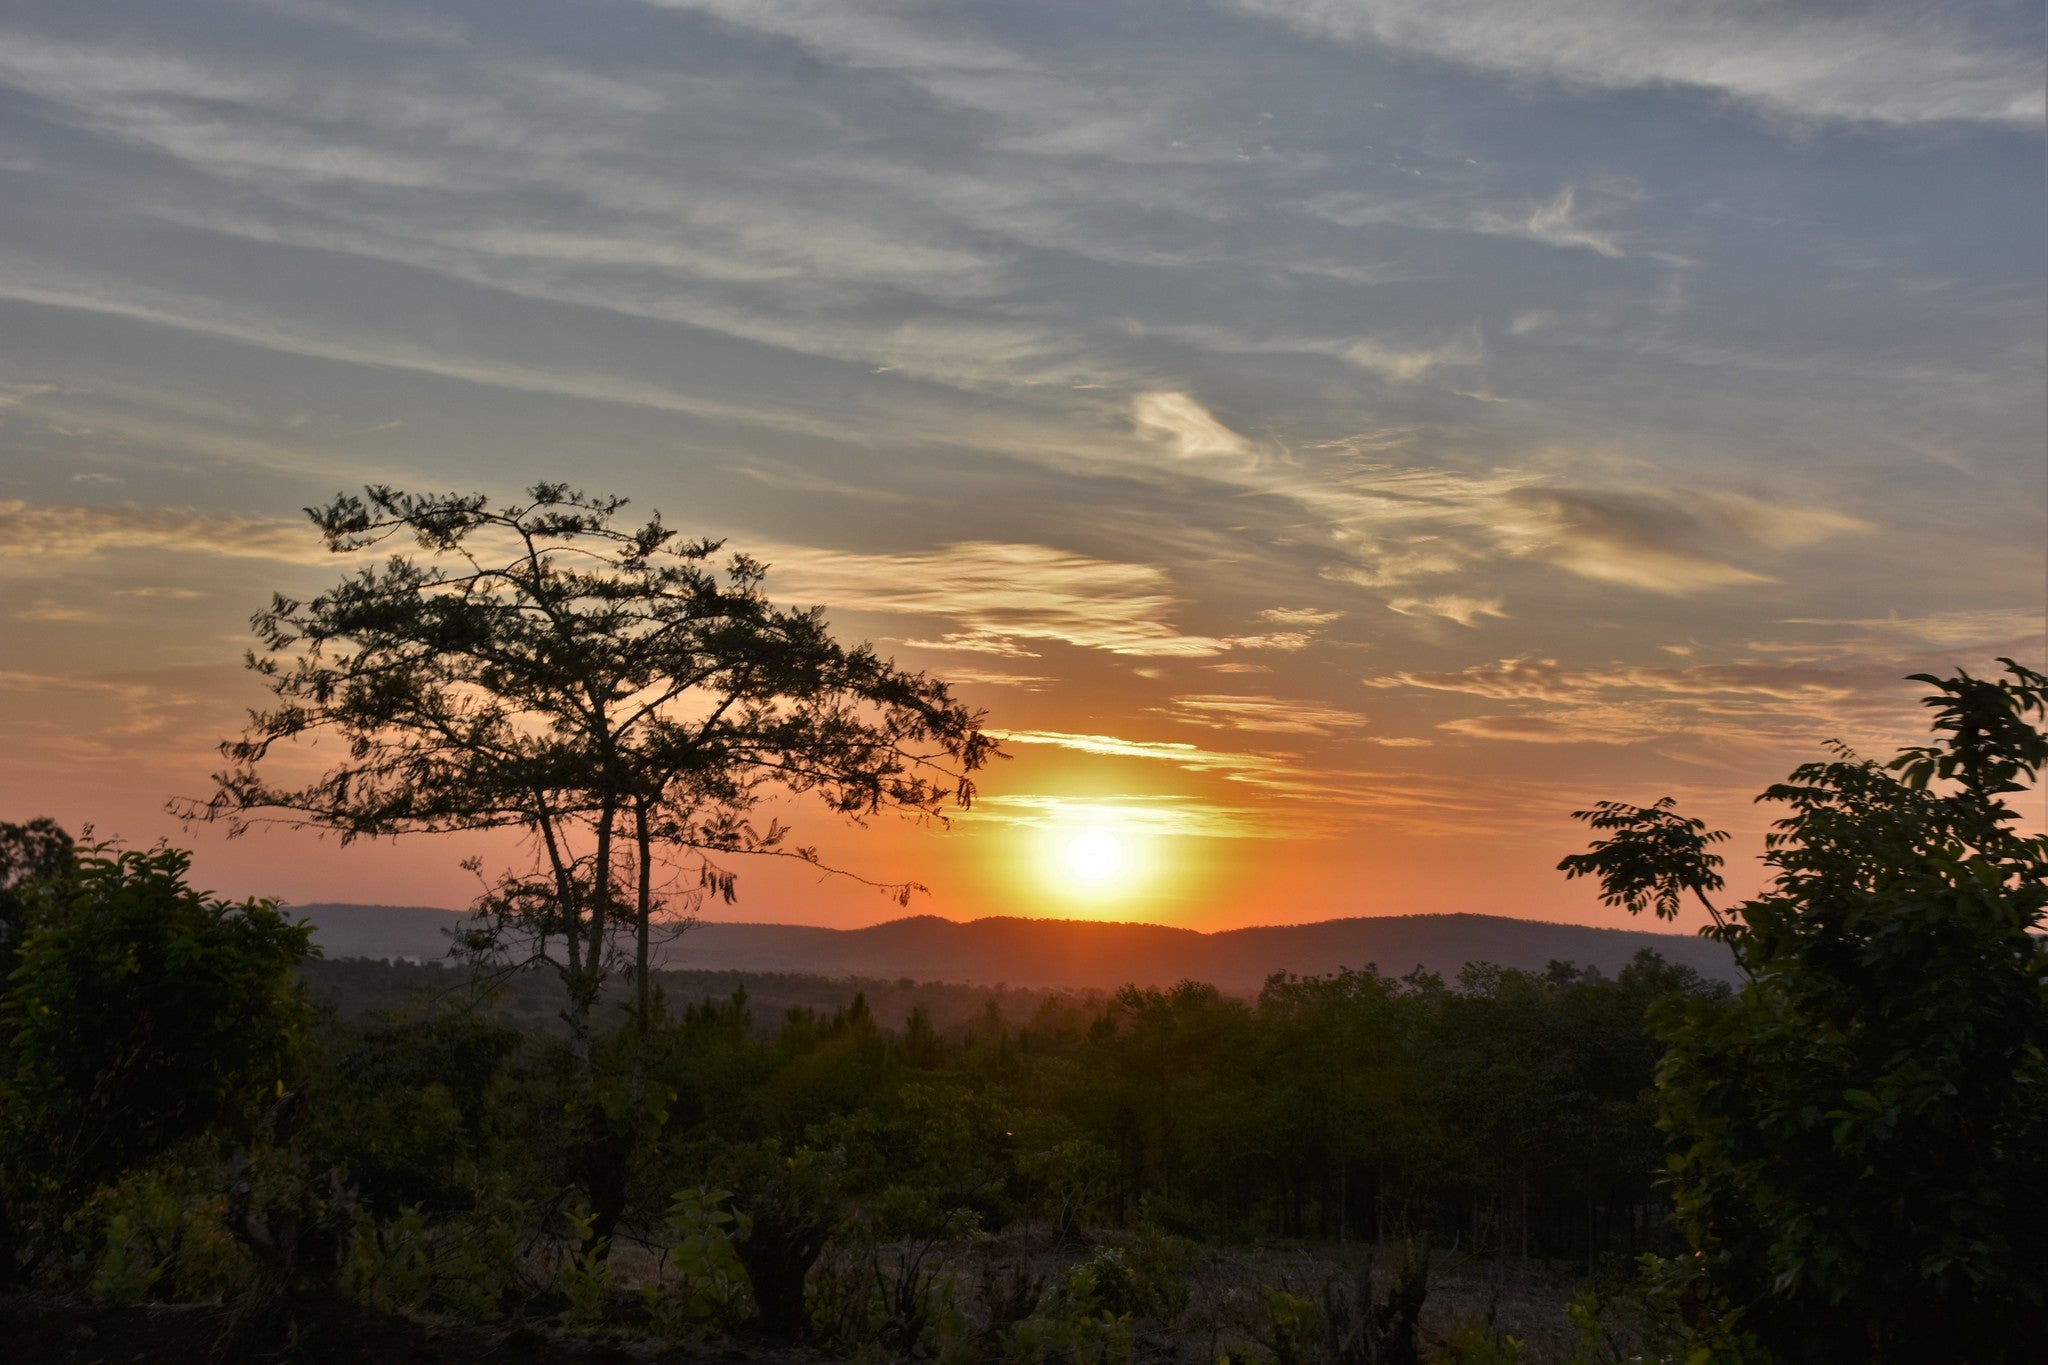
<point>1859,1145</point>
<point>143,1012</point>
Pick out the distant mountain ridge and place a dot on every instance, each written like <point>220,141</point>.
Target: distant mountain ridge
<point>1081,954</point>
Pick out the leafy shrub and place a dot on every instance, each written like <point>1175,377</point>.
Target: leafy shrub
<point>463,1268</point>
<point>404,1110</point>
<point>793,1203</point>
<point>709,1285</point>
<point>144,1012</point>
<point>162,1233</point>
<point>1858,1144</point>
<point>1079,1318</point>
<point>1473,1342</point>
<point>586,1276</point>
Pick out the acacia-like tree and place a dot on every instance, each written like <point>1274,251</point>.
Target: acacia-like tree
<point>610,689</point>
<point>1859,1145</point>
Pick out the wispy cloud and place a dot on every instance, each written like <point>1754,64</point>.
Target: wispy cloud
<point>1558,221</point>
<point>1002,595</point>
<point>1549,680</point>
<point>1896,62</point>
<point>1549,730</point>
<point>1634,540</point>
<point>1696,712</point>
<point>1258,768</point>
<point>1979,631</point>
<point>1185,425</point>
<point>39,531</point>
<point>1306,617</point>
<point>1154,816</point>
<point>1271,715</point>
<point>1466,611</point>
<point>1397,361</point>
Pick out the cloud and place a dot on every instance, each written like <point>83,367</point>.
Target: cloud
<point>1777,526</point>
<point>48,609</point>
<point>1548,680</point>
<point>1315,799</point>
<point>36,531</point>
<point>975,642</point>
<point>1186,426</point>
<point>14,395</point>
<point>1985,629</point>
<point>1466,611</point>
<point>127,721</point>
<point>1556,222</point>
<point>1004,597</point>
<point>391,28</point>
<point>1189,757</point>
<point>1397,527</point>
<point>1272,715</point>
<point>273,331</point>
<point>1413,362</point>
<point>1169,816</point>
<point>989,677</point>
<point>1656,542</point>
<point>1283,641</point>
<point>1542,730</point>
<point>1891,61</point>
<point>1633,539</point>
<point>1001,594</point>
<point>878,33</point>
<point>1700,712</point>
<point>1299,616</point>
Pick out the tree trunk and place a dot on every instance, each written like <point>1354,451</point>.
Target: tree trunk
<point>643,926</point>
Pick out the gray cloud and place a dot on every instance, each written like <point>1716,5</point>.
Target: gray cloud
<point>1892,61</point>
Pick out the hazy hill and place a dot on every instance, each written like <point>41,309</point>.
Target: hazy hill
<point>1079,954</point>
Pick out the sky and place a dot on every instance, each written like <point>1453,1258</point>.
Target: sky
<point>1332,439</point>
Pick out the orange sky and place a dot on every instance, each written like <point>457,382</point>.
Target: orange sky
<point>1332,442</point>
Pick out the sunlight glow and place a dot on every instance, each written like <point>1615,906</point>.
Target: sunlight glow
<point>1096,854</point>
<point>1095,857</point>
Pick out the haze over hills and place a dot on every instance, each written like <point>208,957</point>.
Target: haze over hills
<point>1081,954</point>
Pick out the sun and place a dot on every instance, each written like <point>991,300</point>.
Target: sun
<point>1094,857</point>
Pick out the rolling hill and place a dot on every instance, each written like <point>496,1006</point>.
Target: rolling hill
<point>1076,953</point>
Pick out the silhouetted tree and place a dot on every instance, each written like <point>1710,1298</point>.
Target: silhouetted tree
<point>1859,1145</point>
<point>604,688</point>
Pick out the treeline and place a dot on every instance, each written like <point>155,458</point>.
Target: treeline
<point>358,988</point>
<point>1505,1112</point>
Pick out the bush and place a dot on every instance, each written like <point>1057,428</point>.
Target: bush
<point>403,1111</point>
<point>144,1012</point>
<point>1859,1143</point>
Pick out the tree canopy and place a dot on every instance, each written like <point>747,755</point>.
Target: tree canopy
<point>1859,1147</point>
<point>611,689</point>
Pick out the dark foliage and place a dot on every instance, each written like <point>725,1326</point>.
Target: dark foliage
<point>143,1012</point>
<point>1858,1144</point>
